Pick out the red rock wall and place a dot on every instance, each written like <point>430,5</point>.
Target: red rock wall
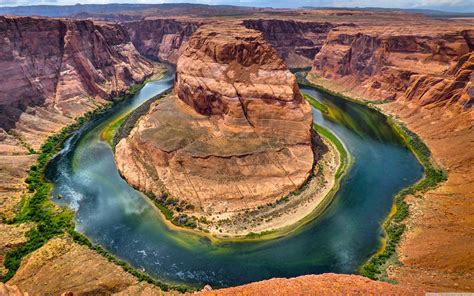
<point>160,38</point>
<point>297,42</point>
<point>393,66</point>
<point>63,67</point>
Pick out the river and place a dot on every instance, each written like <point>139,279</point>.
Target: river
<point>124,221</point>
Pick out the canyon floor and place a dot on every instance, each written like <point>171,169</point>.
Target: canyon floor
<point>417,65</point>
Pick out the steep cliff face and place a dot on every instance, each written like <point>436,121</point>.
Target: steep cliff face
<point>398,64</point>
<point>456,86</point>
<point>236,133</point>
<point>52,72</point>
<point>55,70</point>
<point>297,42</point>
<point>160,37</point>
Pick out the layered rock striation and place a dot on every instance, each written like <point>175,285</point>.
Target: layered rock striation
<point>424,73</point>
<point>161,38</point>
<point>297,42</point>
<point>236,133</point>
<point>56,70</point>
<point>427,65</point>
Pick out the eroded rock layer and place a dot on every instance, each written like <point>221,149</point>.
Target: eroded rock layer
<point>59,69</point>
<point>324,284</point>
<point>234,135</point>
<point>161,38</point>
<point>297,42</point>
<point>426,64</point>
<point>53,71</point>
<point>425,74</point>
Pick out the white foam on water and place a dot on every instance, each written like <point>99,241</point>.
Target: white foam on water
<point>75,199</point>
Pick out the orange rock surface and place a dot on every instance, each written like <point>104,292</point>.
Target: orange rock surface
<point>424,64</point>
<point>325,284</point>
<point>236,134</point>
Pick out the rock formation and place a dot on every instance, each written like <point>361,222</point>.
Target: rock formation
<point>236,133</point>
<point>7,290</point>
<point>425,64</point>
<point>425,72</point>
<point>160,38</point>
<point>55,70</point>
<point>297,42</point>
<point>64,266</point>
<point>455,86</point>
<point>324,284</point>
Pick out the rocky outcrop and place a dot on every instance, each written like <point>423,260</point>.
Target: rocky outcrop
<point>7,290</point>
<point>63,266</point>
<point>56,70</point>
<point>297,42</point>
<point>324,284</point>
<point>160,38</point>
<point>236,133</point>
<point>424,65</point>
<point>456,86</point>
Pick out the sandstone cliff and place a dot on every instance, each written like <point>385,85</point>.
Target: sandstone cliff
<point>324,284</point>
<point>425,74</point>
<point>236,133</point>
<point>55,70</point>
<point>297,42</point>
<point>424,64</point>
<point>160,38</point>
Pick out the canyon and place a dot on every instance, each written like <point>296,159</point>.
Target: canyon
<point>421,69</point>
<point>233,106</point>
<point>55,71</point>
<point>424,77</point>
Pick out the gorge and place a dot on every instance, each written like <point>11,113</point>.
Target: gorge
<point>423,76</point>
<point>219,146</point>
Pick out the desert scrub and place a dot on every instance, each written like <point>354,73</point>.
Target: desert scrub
<point>172,209</point>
